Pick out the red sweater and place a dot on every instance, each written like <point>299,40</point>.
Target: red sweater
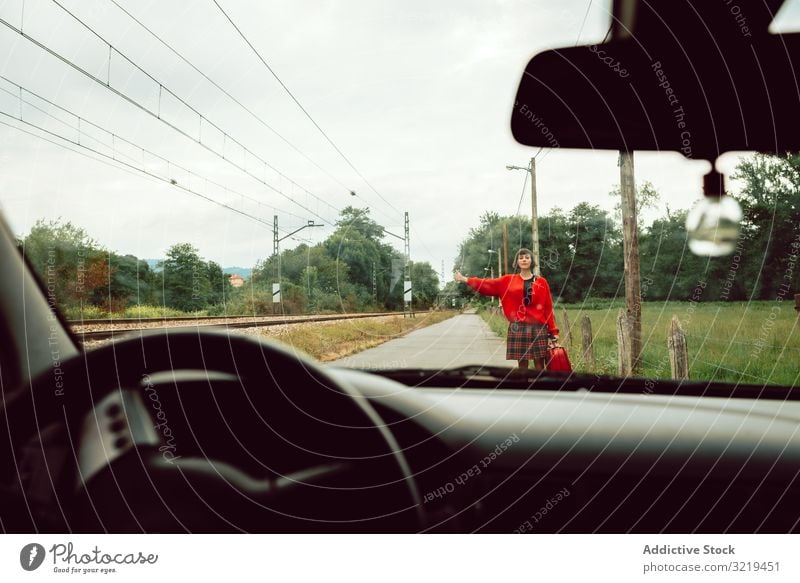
<point>510,289</point>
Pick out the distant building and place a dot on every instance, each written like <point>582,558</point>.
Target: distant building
<point>236,280</point>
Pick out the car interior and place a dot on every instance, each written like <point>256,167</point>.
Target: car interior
<point>272,441</point>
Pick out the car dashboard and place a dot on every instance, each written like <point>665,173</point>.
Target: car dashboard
<point>581,461</point>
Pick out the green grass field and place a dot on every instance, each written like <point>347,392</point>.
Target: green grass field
<point>752,343</point>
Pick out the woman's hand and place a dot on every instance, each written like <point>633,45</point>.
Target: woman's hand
<point>458,277</point>
<point>553,342</point>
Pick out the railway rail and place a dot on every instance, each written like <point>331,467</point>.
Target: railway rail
<point>89,330</point>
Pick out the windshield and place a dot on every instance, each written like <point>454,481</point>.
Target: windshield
<point>164,162</point>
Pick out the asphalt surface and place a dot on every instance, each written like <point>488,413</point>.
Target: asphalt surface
<point>461,340</point>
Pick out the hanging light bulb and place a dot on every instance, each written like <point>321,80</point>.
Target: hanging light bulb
<point>713,223</point>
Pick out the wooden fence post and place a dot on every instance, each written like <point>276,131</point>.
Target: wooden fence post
<point>678,350</point>
<point>566,333</point>
<point>586,341</point>
<point>623,344</point>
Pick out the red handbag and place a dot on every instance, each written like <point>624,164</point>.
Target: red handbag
<point>559,361</point>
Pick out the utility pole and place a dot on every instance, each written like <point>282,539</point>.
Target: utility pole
<point>531,169</point>
<point>534,219</point>
<point>633,295</point>
<point>499,271</point>
<point>276,286</point>
<point>408,310</point>
<point>374,283</point>
<point>505,248</point>
<point>276,251</point>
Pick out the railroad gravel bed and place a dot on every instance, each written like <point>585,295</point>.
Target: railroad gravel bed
<point>167,323</point>
<point>272,331</point>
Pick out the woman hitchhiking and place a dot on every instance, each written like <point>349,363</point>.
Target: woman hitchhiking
<point>528,307</point>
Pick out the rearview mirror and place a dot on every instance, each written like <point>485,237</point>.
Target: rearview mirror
<point>701,87</point>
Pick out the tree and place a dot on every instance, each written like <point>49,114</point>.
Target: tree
<point>74,267</point>
<point>425,284</point>
<point>218,283</point>
<point>131,280</point>
<point>185,278</point>
<point>770,200</point>
<point>357,242</point>
<point>595,246</point>
<point>647,197</point>
<point>345,272</point>
<point>669,270</point>
<point>94,281</point>
<point>555,254</point>
<point>326,280</point>
<point>353,219</point>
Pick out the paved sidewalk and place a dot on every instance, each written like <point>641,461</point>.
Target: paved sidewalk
<point>458,341</point>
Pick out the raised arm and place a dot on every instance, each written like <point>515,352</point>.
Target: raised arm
<point>486,287</point>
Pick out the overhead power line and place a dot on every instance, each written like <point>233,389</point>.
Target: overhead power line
<point>117,161</point>
<point>304,110</point>
<point>524,186</point>
<point>585,16</point>
<point>113,160</point>
<point>314,122</point>
<point>232,97</point>
<point>115,138</point>
<point>157,114</point>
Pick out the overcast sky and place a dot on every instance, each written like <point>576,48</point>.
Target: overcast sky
<point>416,94</point>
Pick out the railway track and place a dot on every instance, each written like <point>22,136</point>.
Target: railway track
<point>90,330</point>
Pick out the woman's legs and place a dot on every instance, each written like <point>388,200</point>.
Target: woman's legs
<point>538,363</point>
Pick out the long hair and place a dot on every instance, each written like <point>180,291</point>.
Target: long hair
<point>524,251</point>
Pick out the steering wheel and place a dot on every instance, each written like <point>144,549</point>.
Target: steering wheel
<point>262,440</point>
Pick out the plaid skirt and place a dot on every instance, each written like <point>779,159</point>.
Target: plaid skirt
<point>526,341</point>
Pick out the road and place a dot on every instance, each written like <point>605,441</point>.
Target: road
<point>461,340</point>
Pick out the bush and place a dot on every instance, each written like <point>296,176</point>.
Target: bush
<point>84,312</point>
<point>114,305</point>
<point>145,311</point>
